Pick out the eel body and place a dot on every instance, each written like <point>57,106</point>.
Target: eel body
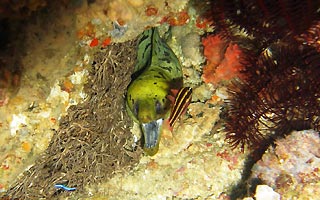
<point>156,72</point>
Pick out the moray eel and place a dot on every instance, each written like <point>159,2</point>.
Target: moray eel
<point>156,72</point>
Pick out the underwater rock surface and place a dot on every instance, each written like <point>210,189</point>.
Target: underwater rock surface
<point>67,124</point>
<point>292,166</point>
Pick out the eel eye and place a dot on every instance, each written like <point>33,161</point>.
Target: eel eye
<point>158,107</point>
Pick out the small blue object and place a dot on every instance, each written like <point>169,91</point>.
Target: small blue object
<point>60,186</point>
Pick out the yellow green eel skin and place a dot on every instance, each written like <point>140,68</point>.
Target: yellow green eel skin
<point>156,72</point>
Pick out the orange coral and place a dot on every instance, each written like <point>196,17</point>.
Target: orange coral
<point>106,42</point>
<point>26,146</point>
<point>151,10</point>
<point>176,19</point>
<point>87,30</point>
<point>223,60</point>
<point>203,23</point>
<point>67,86</point>
<point>213,49</point>
<point>94,42</point>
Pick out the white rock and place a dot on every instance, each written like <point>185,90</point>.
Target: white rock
<point>17,121</point>
<point>264,192</point>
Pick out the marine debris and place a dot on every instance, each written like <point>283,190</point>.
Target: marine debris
<point>66,188</point>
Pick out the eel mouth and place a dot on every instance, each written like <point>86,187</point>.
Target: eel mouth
<point>151,132</point>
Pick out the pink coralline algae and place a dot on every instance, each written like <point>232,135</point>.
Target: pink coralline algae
<point>292,167</point>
